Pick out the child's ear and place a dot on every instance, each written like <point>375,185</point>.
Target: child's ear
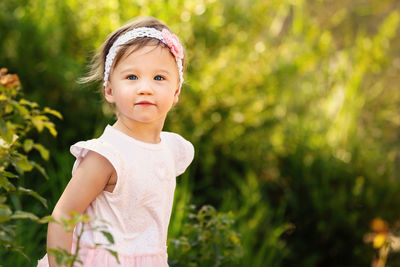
<point>176,96</point>
<point>108,93</point>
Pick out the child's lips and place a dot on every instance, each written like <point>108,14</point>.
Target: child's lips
<point>144,103</point>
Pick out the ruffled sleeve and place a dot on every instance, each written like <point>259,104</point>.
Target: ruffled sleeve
<point>80,150</point>
<point>183,152</point>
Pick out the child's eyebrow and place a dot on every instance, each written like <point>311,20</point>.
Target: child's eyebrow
<point>163,70</point>
<point>129,69</point>
<point>133,69</point>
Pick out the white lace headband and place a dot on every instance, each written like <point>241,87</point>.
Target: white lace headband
<point>165,36</point>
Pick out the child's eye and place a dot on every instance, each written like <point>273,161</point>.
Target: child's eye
<point>132,77</point>
<point>159,78</point>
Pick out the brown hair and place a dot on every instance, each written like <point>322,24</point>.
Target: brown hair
<point>96,67</point>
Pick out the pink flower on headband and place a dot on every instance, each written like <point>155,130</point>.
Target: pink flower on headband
<point>173,43</point>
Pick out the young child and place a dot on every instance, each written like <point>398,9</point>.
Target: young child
<point>127,176</point>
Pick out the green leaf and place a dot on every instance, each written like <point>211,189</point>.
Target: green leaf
<point>7,133</point>
<point>8,139</point>
<point>108,236</point>
<point>8,109</point>
<point>3,199</point>
<point>23,111</point>
<point>7,232</point>
<point>115,254</point>
<point>44,153</point>
<point>50,126</point>
<point>8,174</point>
<point>33,194</point>
<point>28,103</point>
<point>19,214</point>
<point>39,122</point>
<point>28,144</point>
<point>41,170</point>
<point>5,214</point>
<point>5,183</point>
<point>53,112</point>
<point>23,163</point>
<point>67,224</point>
<point>47,219</point>
<point>63,256</point>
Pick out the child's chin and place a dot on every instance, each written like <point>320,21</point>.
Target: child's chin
<point>145,119</point>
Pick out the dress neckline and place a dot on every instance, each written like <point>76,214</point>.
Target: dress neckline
<point>114,133</point>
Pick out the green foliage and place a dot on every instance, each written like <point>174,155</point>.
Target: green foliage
<point>18,117</point>
<point>66,258</point>
<point>207,240</point>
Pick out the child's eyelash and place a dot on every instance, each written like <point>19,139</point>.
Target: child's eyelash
<point>131,77</point>
<point>135,77</point>
<point>160,76</point>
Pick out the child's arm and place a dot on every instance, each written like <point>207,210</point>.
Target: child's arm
<point>87,182</point>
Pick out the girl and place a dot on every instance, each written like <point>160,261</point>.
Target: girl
<point>127,176</point>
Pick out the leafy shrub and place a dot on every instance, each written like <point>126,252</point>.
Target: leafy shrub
<point>207,240</point>
<point>18,118</point>
<point>66,258</point>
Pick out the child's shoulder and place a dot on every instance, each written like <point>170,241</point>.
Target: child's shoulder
<point>178,143</point>
<point>174,138</point>
<point>102,149</point>
<point>182,150</point>
<point>98,145</point>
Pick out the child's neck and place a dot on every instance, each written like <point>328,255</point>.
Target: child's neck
<point>143,132</point>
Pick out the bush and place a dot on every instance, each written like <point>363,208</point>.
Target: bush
<point>18,118</point>
<point>208,239</point>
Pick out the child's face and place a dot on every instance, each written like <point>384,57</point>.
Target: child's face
<point>144,85</point>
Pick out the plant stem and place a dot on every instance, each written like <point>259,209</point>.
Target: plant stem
<point>77,245</point>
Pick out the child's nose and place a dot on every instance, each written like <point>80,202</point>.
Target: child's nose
<point>144,87</point>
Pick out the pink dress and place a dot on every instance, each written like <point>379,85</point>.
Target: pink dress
<point>139,208</point>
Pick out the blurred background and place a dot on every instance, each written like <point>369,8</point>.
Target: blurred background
<point>292,106</point>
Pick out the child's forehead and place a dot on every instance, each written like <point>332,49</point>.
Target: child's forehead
<point>148,56</point>
<point>137,51</point>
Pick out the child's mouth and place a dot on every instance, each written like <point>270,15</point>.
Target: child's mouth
<point>144,103</point>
